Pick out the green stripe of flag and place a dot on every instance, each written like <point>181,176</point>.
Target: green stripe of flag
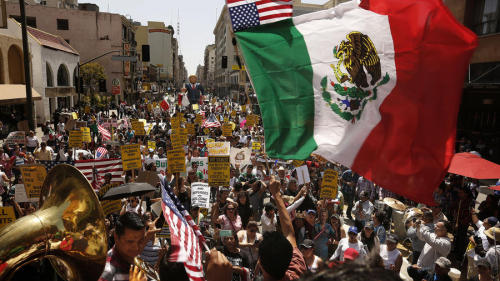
<point>280,68</point>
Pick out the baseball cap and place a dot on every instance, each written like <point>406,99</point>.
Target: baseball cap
<point>369,224</point>
<point>151,150</point>
<point>492,221</point>
<point>311,211</point>
<point>443,262</point>
<point>353,229</point>
<point>351,254</point>
<point>307,243</point>
<point>392,238</point>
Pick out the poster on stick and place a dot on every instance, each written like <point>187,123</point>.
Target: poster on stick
<point>200,195</point>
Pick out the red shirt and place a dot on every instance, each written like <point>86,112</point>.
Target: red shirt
<point>297,266</point>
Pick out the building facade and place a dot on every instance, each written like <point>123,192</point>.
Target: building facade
<point>209,66</point>
<point>92,34</point>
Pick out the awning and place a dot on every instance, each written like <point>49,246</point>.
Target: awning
<point>15,94</point>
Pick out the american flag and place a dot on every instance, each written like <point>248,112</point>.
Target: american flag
<point>249,13</point>
<point>98,168</point>
<point>101,152</point>
<point>211,122</point>
<point>106,135</point>
<point>50,164</point>
<point>185,238</point>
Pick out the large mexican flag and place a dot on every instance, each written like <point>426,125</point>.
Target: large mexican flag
<point>375,87</point>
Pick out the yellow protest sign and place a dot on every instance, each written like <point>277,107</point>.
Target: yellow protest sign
<point>7,215</point>
<point>87,109</point>
<point>152,144</point>
<point>131,157</point>
<point>74,115</point>
<point>190,129</point>
<point>75,138</point>
<point>138,127</point>
<point>198,119</point>
<point>176,161</point>
<point>233,113</point>
<point>33,177</point>
<point>244,108</point>
<point>176,139</point>
<point>218,170</point>
<point>206,131</point>
<point>86,134</point>
<point>150,107</point>
<point>297,163</point>
<point>209,140</point>
<point>227,130</point>
<point>195,106</point>
<point>213,101</point>
<point>226,119</point>
<point>109,206</point>
<point>329,184</point>
<point>175,122</point>
<point>256,146</point>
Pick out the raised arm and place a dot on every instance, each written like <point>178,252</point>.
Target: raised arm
<point>285,220</point>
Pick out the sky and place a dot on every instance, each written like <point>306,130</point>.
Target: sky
<point>197,19</point>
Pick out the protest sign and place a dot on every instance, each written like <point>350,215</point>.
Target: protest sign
<point>302,175</point>
<point>109,206</point>
<point>176,139</point>
<point>198,119</point>
<point>202,163</point>
<point>33,177</point>
<point>297,163</point>
<point>184,135</point>
<point>176,161</point>
<point>150,177</point>
<point>241,156</point>
<point>7,215</point>
<point>329,184</point>
<point>218,148</point>
<point>195,106</point>
<point>200,195</point>
<point>75,139</point>
<point>17,137</point>
<point>190,129</point>
<point>70,124</point>
<point>244,108</point>
<point>152,144</point>
<point>131,157</point>
<point>87,109</point>
<point>138,127</point>
<point>80,124</point>
<point>256,146</point>
<point>218,170</point>
<point>20,194</point>
<point>86,134</point>
<point>164,232</point>
<point>227,130</point>
<point>206,131</point>
<point>233,113</point>
<point>74,115</point>
<point>161,164</point>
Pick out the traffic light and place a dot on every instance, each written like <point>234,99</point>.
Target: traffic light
<point>102,86</point>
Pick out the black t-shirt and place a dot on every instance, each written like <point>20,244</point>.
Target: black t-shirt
<point>239,259</point>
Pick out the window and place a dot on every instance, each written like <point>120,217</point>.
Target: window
<point>30,21</point>
<point>62,24</point>
<point>50,77</point>
<point>62,76</point>
<point>485,17</point>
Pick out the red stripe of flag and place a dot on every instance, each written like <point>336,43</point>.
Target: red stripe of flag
<point>279,7</point>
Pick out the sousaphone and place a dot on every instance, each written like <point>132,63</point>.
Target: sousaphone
<point>68,229</point>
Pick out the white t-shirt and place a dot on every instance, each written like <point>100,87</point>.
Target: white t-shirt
<point>267,224</point>
<point>389,257</point>
<point>344,245</point>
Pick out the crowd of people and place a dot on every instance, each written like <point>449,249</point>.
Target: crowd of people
<point>268,224</point>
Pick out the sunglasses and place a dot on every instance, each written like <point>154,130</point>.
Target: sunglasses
<point>230,209</point>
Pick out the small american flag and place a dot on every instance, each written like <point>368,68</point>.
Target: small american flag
<point>101,152</point>
<point>106,135</point>
<point>185,244</point>
<point>211,122</point>
<point>249,13</point>
<point>98,168</point>
<point>50,164</point>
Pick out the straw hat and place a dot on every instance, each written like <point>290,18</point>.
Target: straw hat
<point>493,233</point>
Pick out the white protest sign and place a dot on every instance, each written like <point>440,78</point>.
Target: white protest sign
<point>200,195</point>
<point>20,195</point>
<point>302,175</point>
<point>161,164</point>
<point>241,156</point>
<point>202,163</point>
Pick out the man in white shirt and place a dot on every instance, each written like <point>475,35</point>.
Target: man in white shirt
<point>268,219</point>
<point>350,242</point>
<point>493,254</point>
<point>482,226</point>
<point>363,210</point>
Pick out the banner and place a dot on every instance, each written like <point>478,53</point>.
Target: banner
<point>176,161</point>
<point>329,184</point>
<point>202,163</point>
<point>75,139</point>
<point>161,164</point>
<point>20,194</point>
<point>227,130</point>
<point>218,148</point>
<point>17,137</point>
<point>218,170</point>
<point>33,177</point>
<point>131,157</point>
<point>200,195</point>
<point>86,134</point>
<point>7,215</point>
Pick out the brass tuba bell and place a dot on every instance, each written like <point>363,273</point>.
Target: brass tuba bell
<point>68,229</point>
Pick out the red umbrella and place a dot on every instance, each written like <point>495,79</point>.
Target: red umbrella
<point>473,166</point>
